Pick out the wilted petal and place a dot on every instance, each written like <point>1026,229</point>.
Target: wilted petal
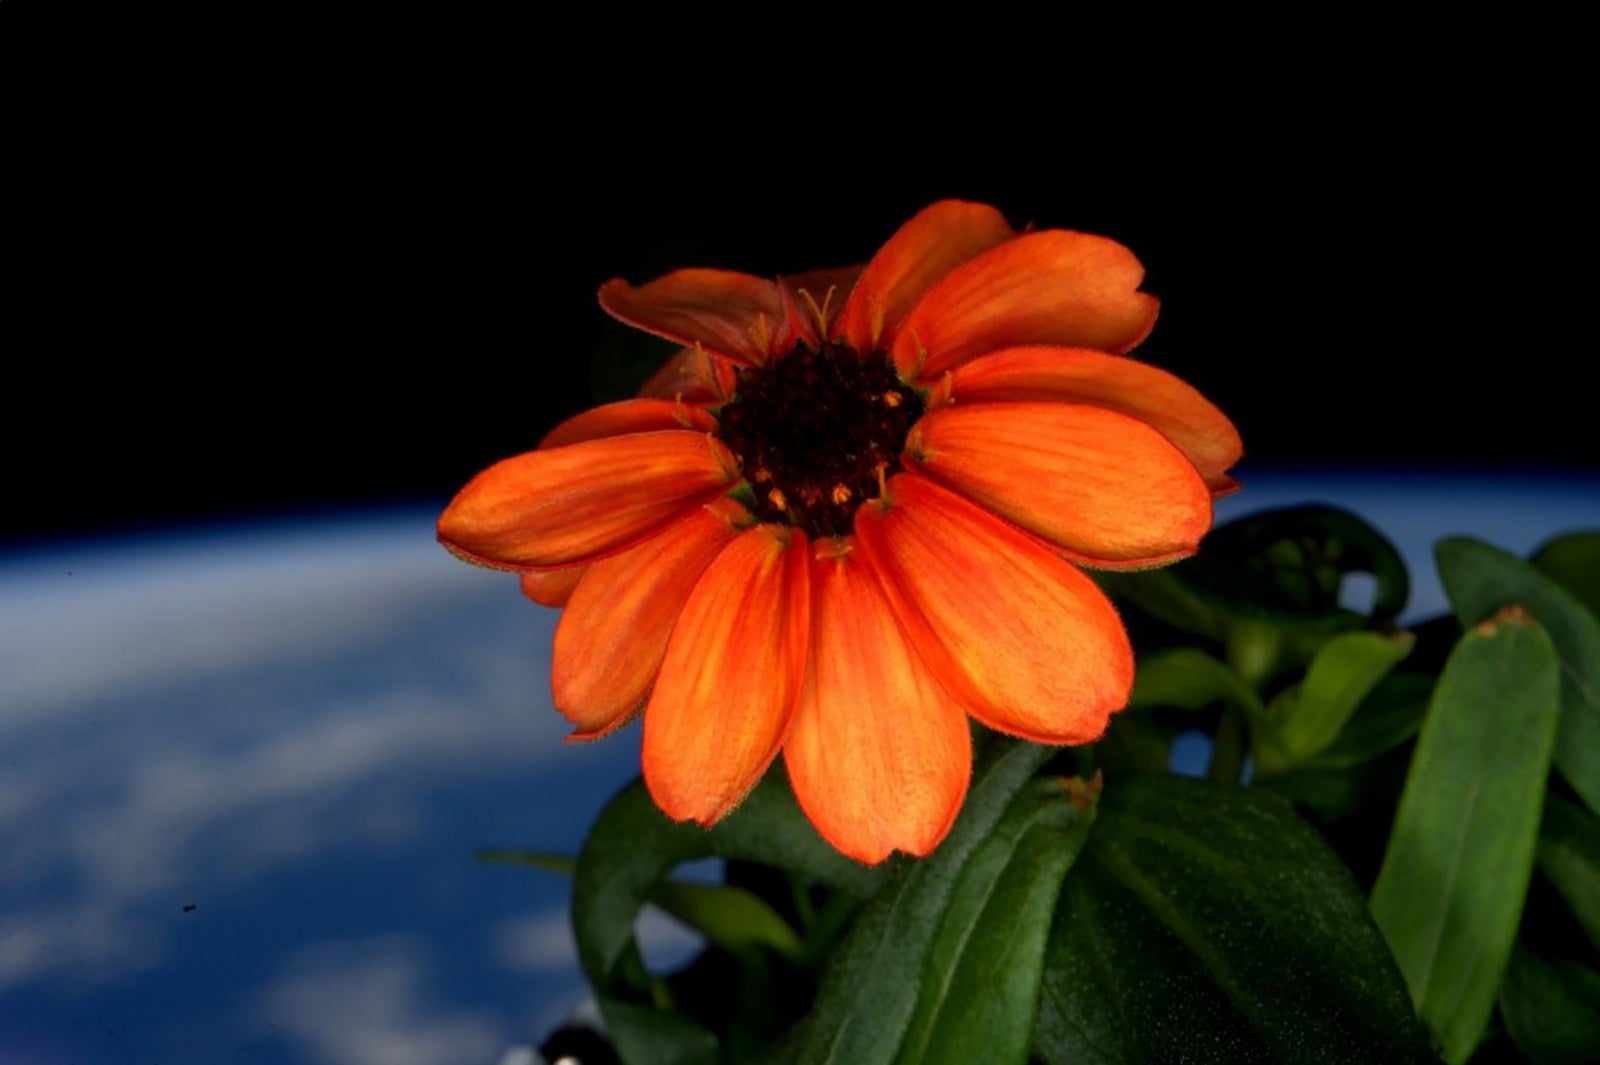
<point>565,505</point>
<point>731,676</point>
<point>1115,382</point>
<point>878,754</point>
<point>935,241</point>
<point>628,416</point>
<point>611,639</point>
<point>1022,638</point>
<point>730,314</point>
<point>692,376</point>
<point>552,587</point>
<point>1106,488</point>
<point>812,301</point>
<point>1051,287</point>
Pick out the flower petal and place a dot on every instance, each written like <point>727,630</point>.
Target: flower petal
<point>628,416</point>
<point>878,755</point>
<point>552,587</point>
<point>731,676</point>
<point>1104,487</point>
<point>692,376</point>
<point>935,241</point>
<point>578,503</point>
<point>721,310</point>
<point>1022,638</point>
<point>1115,382</point>
<point>812,302</point>
<point>1051,287</point>
<point>611,639</point>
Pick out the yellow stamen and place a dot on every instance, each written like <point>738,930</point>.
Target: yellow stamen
<point>820,312</point>
<point>778,499</point>
<point>883,486</point>
<point>840,495</point>
<point>893,399</point>
<point>762,330</point>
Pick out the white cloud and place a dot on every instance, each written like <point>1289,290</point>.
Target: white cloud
<point>369,1003</point>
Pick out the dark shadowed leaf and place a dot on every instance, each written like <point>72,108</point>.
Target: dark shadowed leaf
<point>1569,857</point>
<point>1552,1009</point>
<point>1481,579</point>
<point>1209,924</point>
<point>626,859</point>
<point>1573,561</point>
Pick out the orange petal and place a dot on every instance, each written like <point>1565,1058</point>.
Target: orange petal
<point>1077,375</point>
<point>878,754</point>
<point>578,503</point>
<point>1104,487</point>
<point>731,677</point>
<point>1022,638</point>
<point>552,587</point>
<point>692,376</point>
<point>935,241</point>
<point>1050,287</point>
<point>730,314</point>
<point>812,301</point>
<point>628,416</point>
<point>611,639</point>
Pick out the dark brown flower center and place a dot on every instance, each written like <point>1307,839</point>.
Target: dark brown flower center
<point>818,431</point>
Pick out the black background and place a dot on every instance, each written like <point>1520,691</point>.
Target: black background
<point>323,268</point>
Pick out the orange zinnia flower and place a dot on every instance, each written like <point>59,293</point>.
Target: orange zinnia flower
<point>851,512</point>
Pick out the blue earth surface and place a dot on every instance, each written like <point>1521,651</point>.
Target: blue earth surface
<point>244,771</point>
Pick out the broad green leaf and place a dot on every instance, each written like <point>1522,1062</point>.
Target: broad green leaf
<point>1307,717</point>
<point>633,846</point>
<point>875,978</point>
<point>1481,579</point>
<point>1552,1009</point>
<point>980,987</point>
<point>1450,891</point>
<point>1573,561</point>
<point>1208,924</point>
<point>1569,857</point>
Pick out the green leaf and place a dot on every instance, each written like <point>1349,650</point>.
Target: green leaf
<point>1290,564</point>
<point>1552,1009</point>
<point>1450,891</point>
<point>1573,561</point>
<point>644,1035</point>
<point>550,863</point>
<point>980,989</point>
<point>1204,924</point>
<point>873,983</point>
<point>631,849</point>
<point>1391,714</point>
<point>1165,598</point>
<point>1307,717</point>
<point>1569,857</point>
<point>1190,680</point>
<point>1481,579</point>
<point>728,916</point>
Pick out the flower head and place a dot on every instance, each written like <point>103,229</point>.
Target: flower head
<point>850,513</point>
